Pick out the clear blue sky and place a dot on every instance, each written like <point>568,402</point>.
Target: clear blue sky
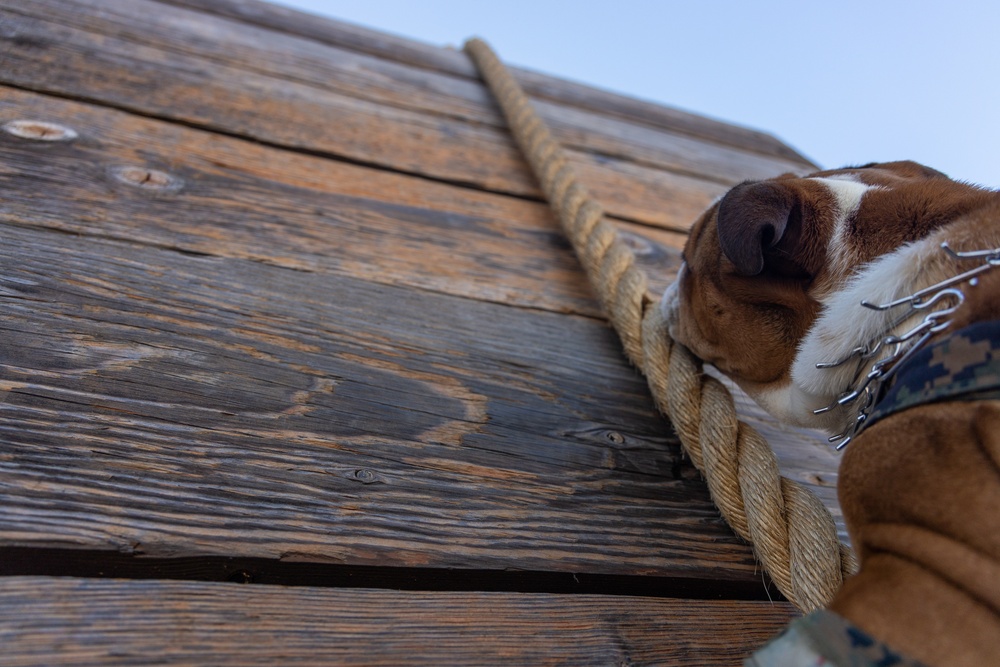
<point>844,82</point>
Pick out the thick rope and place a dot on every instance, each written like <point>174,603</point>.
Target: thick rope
<point>792,533</point>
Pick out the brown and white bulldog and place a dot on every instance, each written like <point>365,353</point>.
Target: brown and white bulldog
<point>770,293</point>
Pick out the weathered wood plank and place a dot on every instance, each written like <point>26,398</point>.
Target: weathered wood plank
<point>176,405</point>
<point>568,93</point>
<point>241,199</point>
<point>290,230</point>
<point>384,113</point>
<point>110,622</point>
<point>50,57</point>
<point>287,209</point>
<point>641,194</point>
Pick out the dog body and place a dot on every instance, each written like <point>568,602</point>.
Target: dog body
<point>772,285</point>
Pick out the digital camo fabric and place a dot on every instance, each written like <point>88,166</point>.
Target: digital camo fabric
<point>965,366</point>
<point>825,639</point>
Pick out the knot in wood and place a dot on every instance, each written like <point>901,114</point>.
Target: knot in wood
<point>615,437</point>
<point>39,130</point>
<point>365,476</point>
<point>146,178</point>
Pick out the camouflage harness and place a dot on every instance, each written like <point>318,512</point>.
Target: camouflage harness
<point>939,301</point>
<point>964,366</point>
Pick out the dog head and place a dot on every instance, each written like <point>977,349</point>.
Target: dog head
<point>765,262</point>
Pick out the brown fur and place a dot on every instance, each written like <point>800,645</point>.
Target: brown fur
<point>921,495</point>
<point>720,303</point>
<point>920,490</point>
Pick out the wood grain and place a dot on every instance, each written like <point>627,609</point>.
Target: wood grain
<point>111,622</point>
<point>405,119</point>
<point>286,300</point>
<point>398,49</point>
<point>311,214</point>
<point>236,198</point>
<point>179,405</point>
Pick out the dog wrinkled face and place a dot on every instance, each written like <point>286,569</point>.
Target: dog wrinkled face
<point>759,263</point>
<point>745,325</point>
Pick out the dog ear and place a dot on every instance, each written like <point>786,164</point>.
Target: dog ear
<point>753,218</point>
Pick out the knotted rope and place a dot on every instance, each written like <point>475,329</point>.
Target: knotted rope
<point>792,532</point>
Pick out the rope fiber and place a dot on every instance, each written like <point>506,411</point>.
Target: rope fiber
<point>791,531</point>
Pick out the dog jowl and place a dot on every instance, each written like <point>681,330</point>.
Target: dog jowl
<point>775,271</point>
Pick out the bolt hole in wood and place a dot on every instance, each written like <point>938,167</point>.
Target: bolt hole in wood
<point>615,437</point>
<point>145,178</point>
<point>39,130</point>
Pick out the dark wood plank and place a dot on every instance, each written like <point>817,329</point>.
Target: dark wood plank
<point>240,199</point>
<point>411,52</point>
<point>288,230</point>
<point>384,113</point>
<point>646,195</point>
<point>178,405</point>
<point>110,622</point>
<point>51,57</point>
<point>641,112</point>
<point>315,215</point>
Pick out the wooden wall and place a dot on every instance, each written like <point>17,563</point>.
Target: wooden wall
<point>285,308</point>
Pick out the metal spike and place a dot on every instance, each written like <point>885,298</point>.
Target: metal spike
<point>905,345</point>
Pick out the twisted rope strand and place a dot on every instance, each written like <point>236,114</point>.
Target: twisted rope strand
<point>792,533</point>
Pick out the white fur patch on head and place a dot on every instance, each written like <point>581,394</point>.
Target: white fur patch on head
<point>849,192</point>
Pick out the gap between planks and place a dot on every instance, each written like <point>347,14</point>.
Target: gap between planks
<point>302,569</point>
